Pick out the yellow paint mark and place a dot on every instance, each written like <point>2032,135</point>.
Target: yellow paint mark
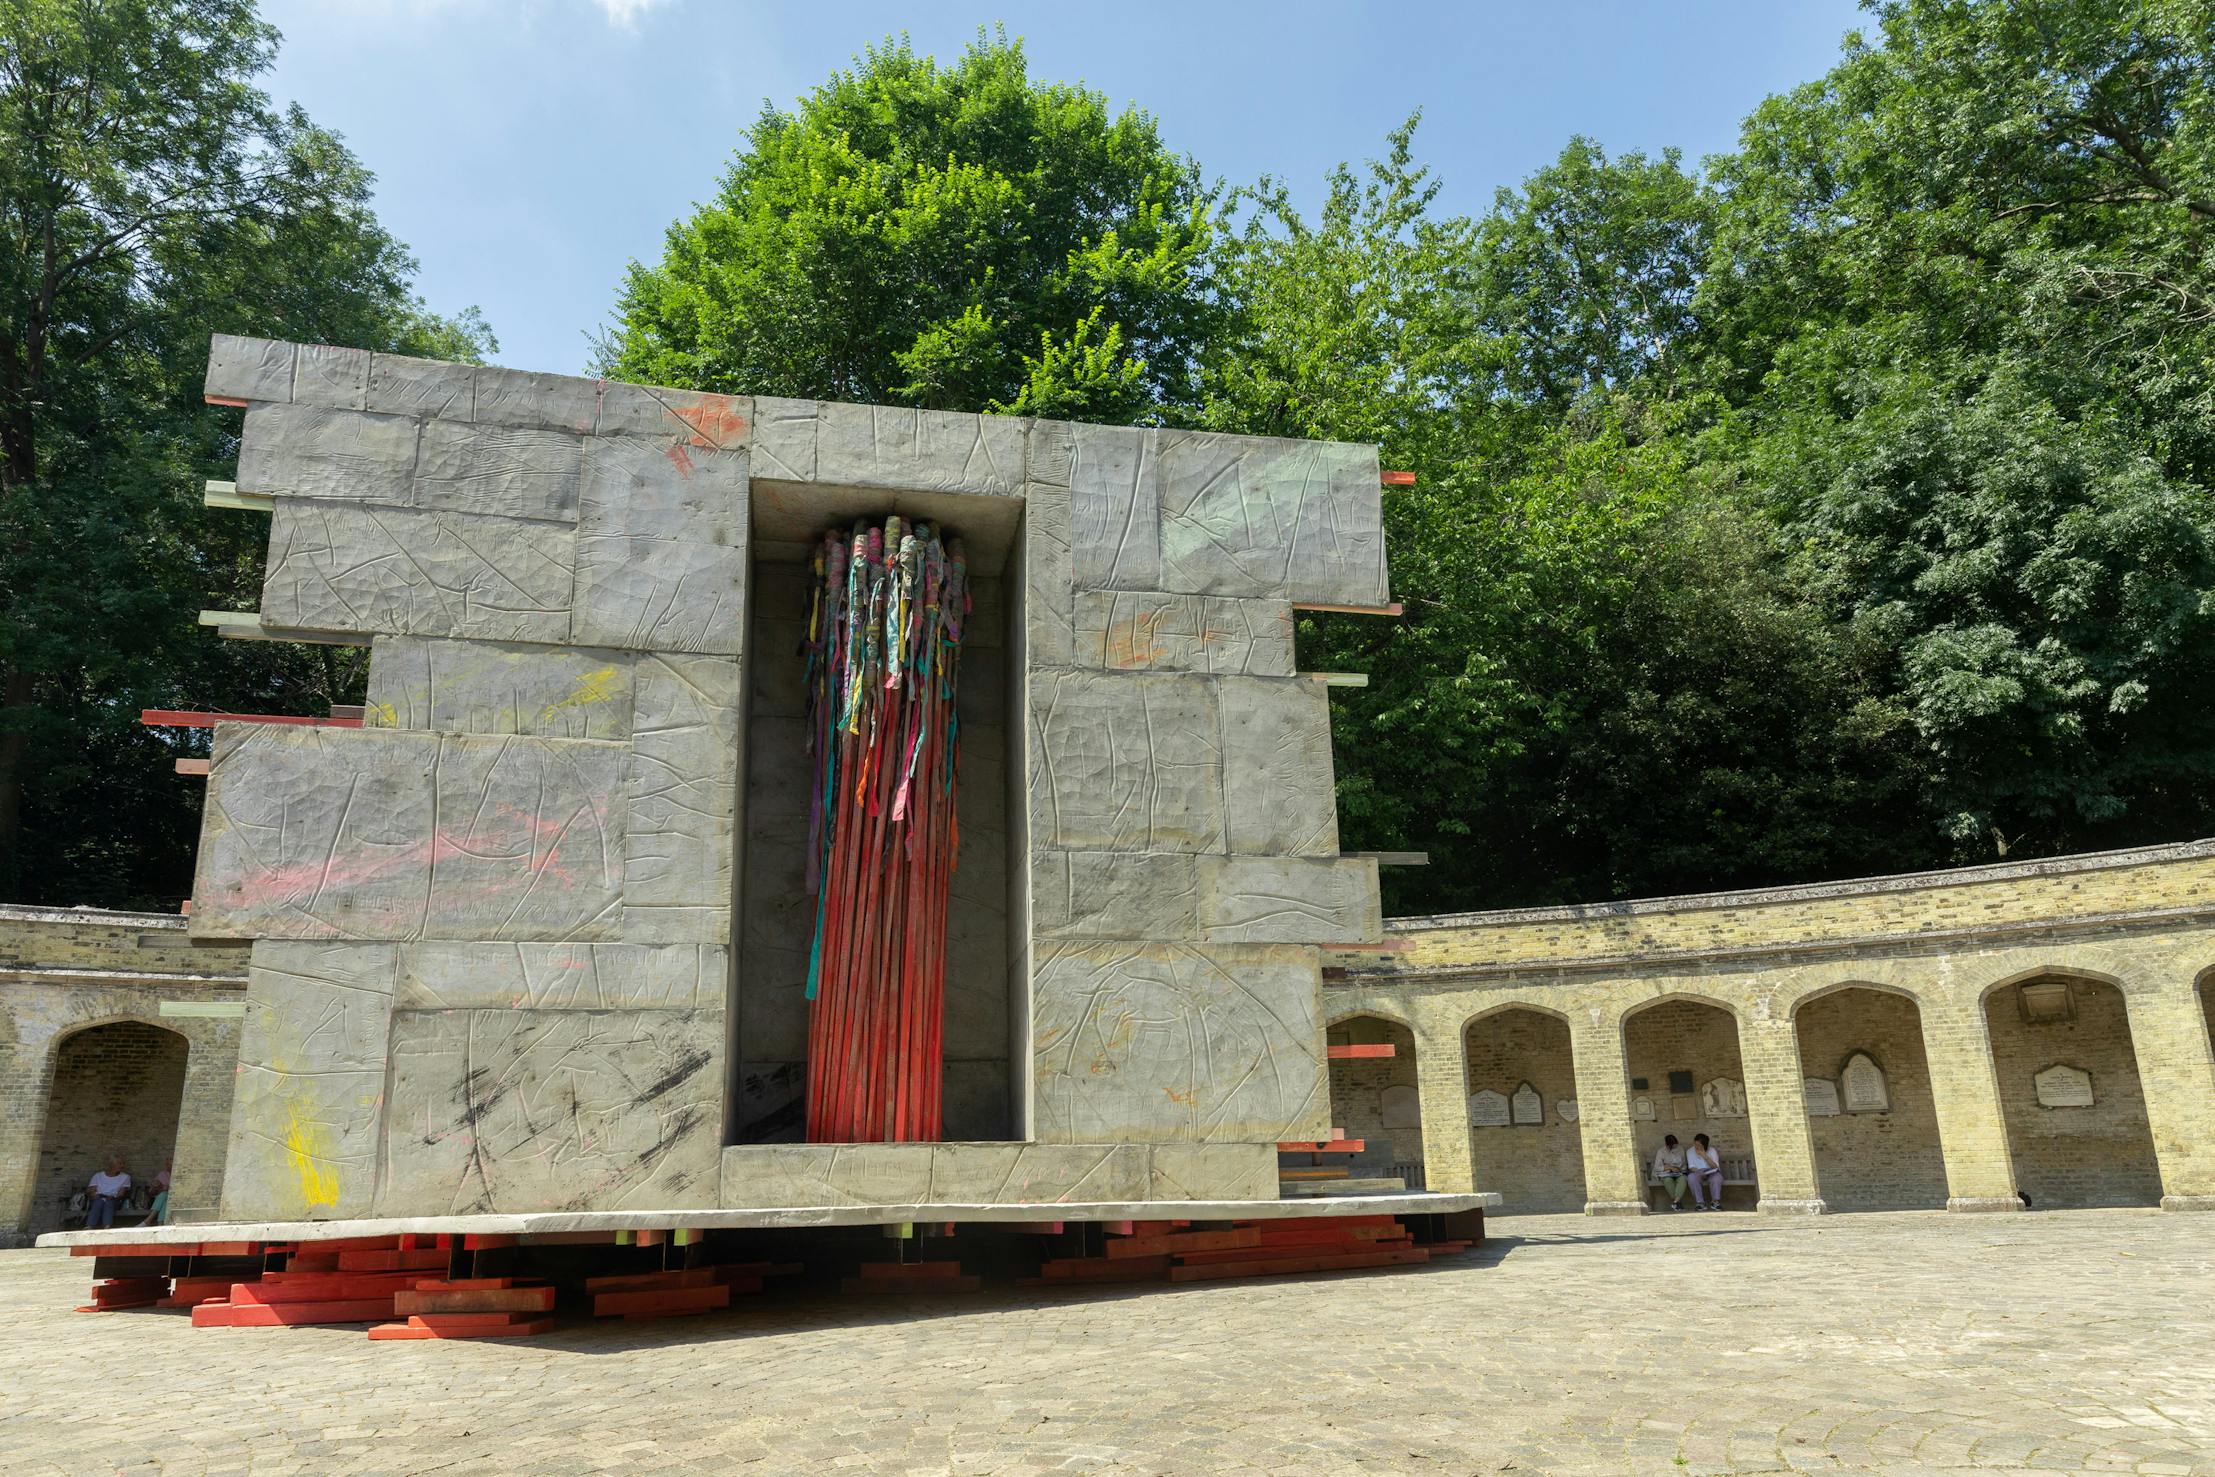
<point>381,715</point>
<point>304,1142</point>
<point>593,687</point>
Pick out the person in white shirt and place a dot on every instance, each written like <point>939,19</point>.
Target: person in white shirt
<point>1707,1174</point>
<point>1669,1169</point>
<point>103,1192</point>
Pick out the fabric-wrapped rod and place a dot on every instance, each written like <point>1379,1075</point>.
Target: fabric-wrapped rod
<point>887,606</point>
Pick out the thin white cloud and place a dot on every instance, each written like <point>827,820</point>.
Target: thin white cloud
<point>622,14</point>
<point>625,13</point>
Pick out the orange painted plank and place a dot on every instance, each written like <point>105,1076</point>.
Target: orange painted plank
<point>389,1331</point>
<point>1396,479</point>
<point>1182,1241</point>
<point>135,1248</point>
<point>1362,1051</point>
<point>1278,1266</point>
<point>284,1315</point>
<point>661,1300</point>
<point>1323,1146</point>
<point>194,718</point>
<point>1394,608</point>
<point>476,1300</point>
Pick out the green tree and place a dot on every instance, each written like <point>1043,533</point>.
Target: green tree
<point>949,237</point>
<point>150,194</point>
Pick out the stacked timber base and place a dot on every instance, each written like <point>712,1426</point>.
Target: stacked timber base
<point>498,1283</point>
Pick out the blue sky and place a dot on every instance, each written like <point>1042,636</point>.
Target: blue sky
<point>528,149</point>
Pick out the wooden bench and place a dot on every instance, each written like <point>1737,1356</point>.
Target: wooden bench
<point>1738,1169</point>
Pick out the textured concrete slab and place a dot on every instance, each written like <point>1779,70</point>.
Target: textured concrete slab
<point>1138,630</point>
<point>1278,789</point>
<point>512,471</point>
<point>660,594</point>
<point>784,439</point>
<point>552,402</point>
<point>1125,762</point>
<point>374,570</point>
<point>309,451</point>
<point>326,375</point>
<point>399,385</point>
<point>1150,1043</point>
<point>306,1108</point>
<point>522,1110</point>
<point>511,976</point>
<point>894,447</point>
<point>798,1175</point>
<point>693,417</point>
<point>1289,900</point>
<point>1246,515</point>
<point>499,687</point>
<point>529,841</point>
<point>681,792</point>
<point>1212,1171</point>
<point>1049,615</point>
<point>665,489</point>
<point>1114,508</point>
<point>315,833</point>
<point>249,369</point>
<point>551,1223</point>
<point>1114,895</point>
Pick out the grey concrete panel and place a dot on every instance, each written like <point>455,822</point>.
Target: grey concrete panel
<point>1278,793</point>
<point>500,687</point>
<point>1125,761</point>
<point>823,1174</point>
<point>315,833</point>
<point>1132,630</point>
<point>935,450</point>
<point>1040,1174</point>
<point>660,594</point>
<point>518,1110</point>
<point>513,471</point>
<point>1114,895</point>
<point>1050,453</point>
<point>1114,508</point>
<point>682,796</point>
<point>1147,1043</point>
<point>323,374</point>
<point>1049,619</point>
<point>784,439</point>
<point>1213,1172</point>
<point>368,570</point>
<point>694,417</point>
<point>529,840</point>
<point>311,1073</point>
<point>249,369</point>
<point>1245,515</point>
<point>664,489</point>
<point>551,402</point>
<point>313,452</point>
<point>512,976</point>
<point>1289,900</point>
<point>422,387</point>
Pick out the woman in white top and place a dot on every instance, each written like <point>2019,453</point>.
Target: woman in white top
<point>102,1193</point>
<point>1706,1174</point>
<point>1669,1169</point>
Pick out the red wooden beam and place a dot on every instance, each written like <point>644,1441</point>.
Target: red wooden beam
<point>186,718</point>
<point>1396,479</point>
<point>1360,1052</point>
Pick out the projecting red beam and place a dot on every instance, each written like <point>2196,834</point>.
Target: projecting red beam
<point>184,718</point>
<point>1362,1052</point>
<point>1397,479</point>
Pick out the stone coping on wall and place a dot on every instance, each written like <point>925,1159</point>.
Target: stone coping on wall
<point>35,913</point>
<point>540,1223</point>
<point>2144,886</point>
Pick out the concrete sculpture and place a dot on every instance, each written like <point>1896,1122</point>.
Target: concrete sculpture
<point>528,939</point>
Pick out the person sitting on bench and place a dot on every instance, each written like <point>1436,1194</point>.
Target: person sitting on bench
<point>1707,1174</point>
<point>103,1192</point>
<point>1669,1169</point>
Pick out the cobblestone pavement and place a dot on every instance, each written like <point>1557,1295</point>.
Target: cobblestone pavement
<point>1903,1344</point>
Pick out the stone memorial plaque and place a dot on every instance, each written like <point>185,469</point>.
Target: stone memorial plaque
<point>1488,1109</point>
<point>1681,1108</point>
<point>1567,1108</point>
<point>1642,1109</point>
<point>2062,1086</point>
<point>1862,1085</point>
<point>1822,1097</point>
<point>1723,1098</point>
<point>1400,1108</point>
<point>1529,1106</point>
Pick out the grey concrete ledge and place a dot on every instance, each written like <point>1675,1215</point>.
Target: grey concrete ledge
<point>65,975</point>
<point>2058,866</point>
<point>32,913</point>
<point>1615,1207</point>
<point>1768,1206</point>
<point>2188,1202</point>
<point>554,1221</point>
<point>1980,1204</point>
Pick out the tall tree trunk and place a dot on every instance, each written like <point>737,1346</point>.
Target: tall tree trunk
<point>15,696</point>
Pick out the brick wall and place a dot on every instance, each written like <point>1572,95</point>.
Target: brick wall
<point>1887,1160</point>
<point>2101,1155</point>
<point>117,1090</point>
<point>1535,1168</point>
<point>1358,1087</point>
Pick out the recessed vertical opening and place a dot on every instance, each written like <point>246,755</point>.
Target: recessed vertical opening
<point>776,914</point>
